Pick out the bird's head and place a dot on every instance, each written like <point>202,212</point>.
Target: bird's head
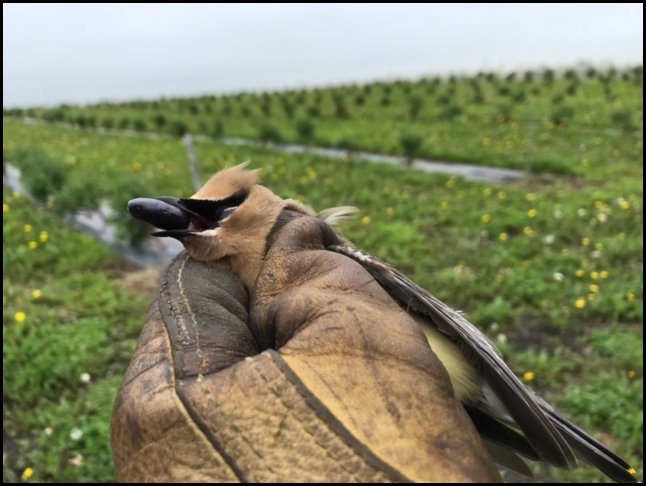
<point>226,222</point>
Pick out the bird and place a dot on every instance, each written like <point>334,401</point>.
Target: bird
<point>231,221</point>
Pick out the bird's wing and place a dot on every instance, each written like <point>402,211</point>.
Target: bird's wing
<point>519,401</point>
<point>551,435</point>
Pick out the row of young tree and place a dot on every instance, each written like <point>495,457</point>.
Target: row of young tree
<point>426,99</point>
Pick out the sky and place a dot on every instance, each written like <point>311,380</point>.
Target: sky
<point>86,53</point>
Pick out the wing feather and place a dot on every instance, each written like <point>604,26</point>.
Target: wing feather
<point>553,437</point>
<point>544,437</point>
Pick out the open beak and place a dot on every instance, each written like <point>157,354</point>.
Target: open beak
<point>166,213</point>
<point>179,218</point>
<point>179,234</point>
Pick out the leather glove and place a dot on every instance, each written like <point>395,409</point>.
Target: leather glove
<point>317,376</point>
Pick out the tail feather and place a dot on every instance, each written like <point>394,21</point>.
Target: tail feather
<point>333,216</point>
<point>590,450</point>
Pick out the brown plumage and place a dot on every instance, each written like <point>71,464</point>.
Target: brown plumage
<point>302,275</point>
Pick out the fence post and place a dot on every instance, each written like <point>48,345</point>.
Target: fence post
<point>192,161</point>
<point>530,133</point>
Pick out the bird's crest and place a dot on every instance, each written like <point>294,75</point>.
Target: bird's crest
<point>234,180</point>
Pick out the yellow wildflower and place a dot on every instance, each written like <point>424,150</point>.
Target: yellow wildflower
<point>594,275</point>
<point>586,241</point>
<point>5,208</point>
<point>530,196</point>
<point>580,273</point>
<point>445,205</point>
<point>32,245</point>
<point>630,297</point>
<point>631,374</point>
<point>503,236</point>
<point>485,218</point>
<point>366,220</point>
<point>36,294</point>
<point>594,288</point>
<point>529,232</point>
<point>502,195</point>
<point>44,236</point>
<point>532,213</point>
<point>529,376</point>
<point>390,211</point>
<point>27,228</point>
<point>580,304</point>
<point>27,474</point>
<point>20,316</point>
<point>604,274</point>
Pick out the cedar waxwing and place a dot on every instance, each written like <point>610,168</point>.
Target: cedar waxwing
<point>232,222</point>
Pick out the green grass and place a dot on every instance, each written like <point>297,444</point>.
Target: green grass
<point>550,267</point>
<point>77,320</point>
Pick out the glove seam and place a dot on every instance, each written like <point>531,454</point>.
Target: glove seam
<point>178,355</point>
<point>333,424</point>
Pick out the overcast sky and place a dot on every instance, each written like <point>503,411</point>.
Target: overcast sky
<point>88,53</point>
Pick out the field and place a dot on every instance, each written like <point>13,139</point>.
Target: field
<point>519,120</point>
<point>550,267</point>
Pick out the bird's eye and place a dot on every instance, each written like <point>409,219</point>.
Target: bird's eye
<point>227,212</point>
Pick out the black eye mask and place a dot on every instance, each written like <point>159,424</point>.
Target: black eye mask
<point>207,214</point>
